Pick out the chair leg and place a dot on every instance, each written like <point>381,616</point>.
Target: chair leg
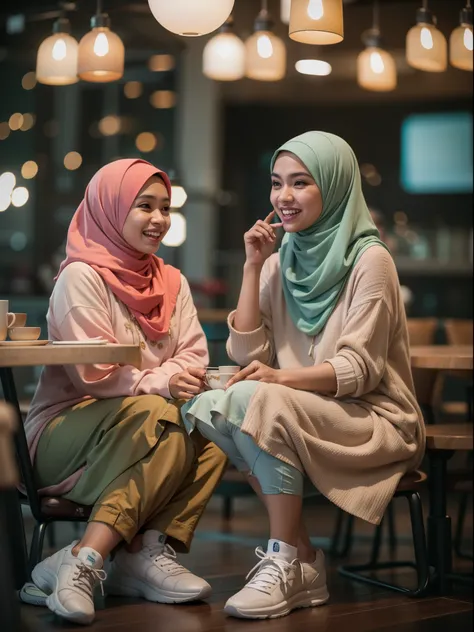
<point>421,556</point>
<point>227,509</point>
<point>336,536</point>
<point>419,543</point>
<point>344,522</point>
<point>458,536</point>
<point>36,551</point>
<point>51,533</point>
<point>376,544</point>
<point>392,530</point>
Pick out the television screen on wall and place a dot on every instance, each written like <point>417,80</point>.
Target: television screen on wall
<point>436,153</point>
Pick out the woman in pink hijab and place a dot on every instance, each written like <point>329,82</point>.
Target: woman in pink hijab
<point>111,436</point>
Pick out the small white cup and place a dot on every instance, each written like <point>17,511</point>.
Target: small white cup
<point>229,369</point>
<point>217,380</point>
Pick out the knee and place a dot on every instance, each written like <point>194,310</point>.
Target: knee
<point>214,456</point>
<point>149,404</point>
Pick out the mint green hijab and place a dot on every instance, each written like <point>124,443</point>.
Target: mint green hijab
<point>316,263</point>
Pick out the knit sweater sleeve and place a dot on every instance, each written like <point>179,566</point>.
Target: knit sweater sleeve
<point>245,347</point>
<point>362,348</point>
<point>80,310</point>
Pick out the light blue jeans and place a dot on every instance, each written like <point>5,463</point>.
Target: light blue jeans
<point>218,415</point>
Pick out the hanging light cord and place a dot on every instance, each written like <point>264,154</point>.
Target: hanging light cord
<point>376,19</point>
<point>100,7</point>
<point>425,5</point>
<point>265,5</point>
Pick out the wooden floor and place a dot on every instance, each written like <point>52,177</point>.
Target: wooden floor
<point>223,553</point>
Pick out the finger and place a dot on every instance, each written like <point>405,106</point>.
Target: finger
<point>190,380</point>
<point>267,228</point>
<point>242,375</point>
<point>255,376</point>
<point>190,388</point>
<point>264,235</point>
<point>269,217</point>
<point>197,371</point>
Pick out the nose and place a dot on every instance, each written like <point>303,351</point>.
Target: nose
<point>157,218</point>
<point>286,193</point>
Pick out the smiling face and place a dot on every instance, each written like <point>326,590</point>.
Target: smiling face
<point>149,218</point>
<point>295,195</point>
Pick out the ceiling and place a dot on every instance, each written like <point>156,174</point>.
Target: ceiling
<point>133,21</point>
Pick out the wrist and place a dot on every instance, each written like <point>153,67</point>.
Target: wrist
<point>283,377</point>
<point>253,268</point>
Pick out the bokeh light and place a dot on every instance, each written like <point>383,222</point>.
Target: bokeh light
<point>161,63</point>
<point>72,160</point>
<point>163,99</point>
<point>29,170</point>
<point>20,196</point>
<point>133,89</point>
<point>146,142</point>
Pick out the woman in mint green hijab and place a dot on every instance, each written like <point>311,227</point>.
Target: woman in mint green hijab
<point>316,260</point>
<point>326,395</point>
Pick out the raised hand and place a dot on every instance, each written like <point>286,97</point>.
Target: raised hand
<point>260,240</point>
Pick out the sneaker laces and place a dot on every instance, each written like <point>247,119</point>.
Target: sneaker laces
<point>86,577</point>
<point>269,572</point>
<point>165,556</point>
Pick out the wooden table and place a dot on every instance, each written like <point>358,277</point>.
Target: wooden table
<point>437,359</point>
<point>47,355</point>
<point>442,358</point>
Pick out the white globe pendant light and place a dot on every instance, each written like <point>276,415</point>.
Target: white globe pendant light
<point>461,41</point>
<point>224,55</point>
<point>56,62</point>
<point>265,52</point>
<point>426,46</point>
<point>191,18</point>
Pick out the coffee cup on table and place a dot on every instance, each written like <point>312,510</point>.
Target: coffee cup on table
<point>9,319</point>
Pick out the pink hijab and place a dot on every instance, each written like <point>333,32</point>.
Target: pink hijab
<point>147,286</point>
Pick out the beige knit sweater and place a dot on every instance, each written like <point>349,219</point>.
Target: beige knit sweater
<point>355,446</point>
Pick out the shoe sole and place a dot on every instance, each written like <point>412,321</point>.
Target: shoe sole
<point>137,588</point>
<point>47,581</point>
<point>309,599</point>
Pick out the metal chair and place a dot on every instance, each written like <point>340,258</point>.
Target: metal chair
<point>408,488</point>
<point>46,509</point>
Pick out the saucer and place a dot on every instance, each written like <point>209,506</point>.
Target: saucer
<point>24,343</point>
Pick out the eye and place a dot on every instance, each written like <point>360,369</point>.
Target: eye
<point>166,209</point>
<point>300,183</point>
<point>145,206</point>
<point>275,184</point>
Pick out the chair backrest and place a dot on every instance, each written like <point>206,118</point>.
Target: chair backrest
<point>422,331</point>
<point>459,331</point>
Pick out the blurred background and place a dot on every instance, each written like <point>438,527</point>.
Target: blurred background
<point>413,140</point>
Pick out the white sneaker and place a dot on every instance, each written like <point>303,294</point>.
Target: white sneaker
<point>278,587</point>
<point>154,574</point>
<point>69,582</point>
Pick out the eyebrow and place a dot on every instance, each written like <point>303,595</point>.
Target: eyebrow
<point>147,196</point>
<point>298,174</point>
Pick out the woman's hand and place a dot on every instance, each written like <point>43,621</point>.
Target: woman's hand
<point>257,371</point>
<point>260,241</point>
<point>187,384</point>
